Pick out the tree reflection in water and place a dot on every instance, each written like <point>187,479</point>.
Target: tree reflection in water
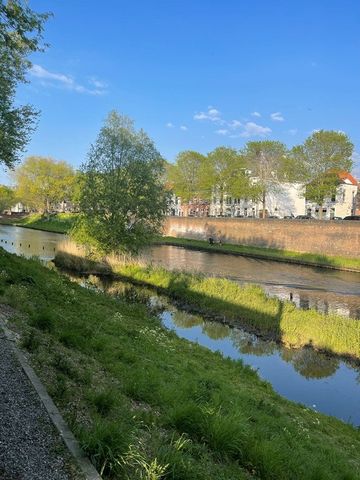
<point>310,363</point>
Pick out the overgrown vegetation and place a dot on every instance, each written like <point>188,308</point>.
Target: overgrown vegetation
<point>147,404</point>
<point>247,306</point>
<point>266,253</point>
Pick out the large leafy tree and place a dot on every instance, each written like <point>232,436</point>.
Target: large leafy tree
<point>322,155</point>
<point>186,176</point>
<point>20,35</point>
<point>7,197</point>
<point>226,173</point>
<point>268,162</point>
<point>122,197</point>
<point>42,182</point>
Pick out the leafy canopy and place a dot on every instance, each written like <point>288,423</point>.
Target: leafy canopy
<point>187,174</point>
<point>122,195</point>
<point>42,182</point>
<point>319,158</point>
<point>20,35</point>
<point>7,197</point>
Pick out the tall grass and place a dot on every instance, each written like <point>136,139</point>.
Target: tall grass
<point>247,306</point>
<point>144,402</point>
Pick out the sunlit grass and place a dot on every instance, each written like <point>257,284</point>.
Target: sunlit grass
<point>247,306</point>
<point>57,223</point>
<point>143,401</point>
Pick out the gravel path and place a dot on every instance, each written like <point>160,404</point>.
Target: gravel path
<point>30,447</point>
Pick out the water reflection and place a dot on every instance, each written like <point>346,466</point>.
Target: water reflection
<point>304,375</point>
<point>330,291</point>
<point>322,289</point>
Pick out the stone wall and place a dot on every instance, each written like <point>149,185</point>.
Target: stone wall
<point>313,236</point>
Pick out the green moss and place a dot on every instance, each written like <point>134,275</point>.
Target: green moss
<point>173,407</point>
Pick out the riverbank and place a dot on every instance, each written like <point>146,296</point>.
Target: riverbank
<point>57,223</point>
<point>63,222</point>
<point>243,306</point>
<point>309,259</point>
<point>138,397</point>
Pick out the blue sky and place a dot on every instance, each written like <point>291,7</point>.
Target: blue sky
<point>195,74</point>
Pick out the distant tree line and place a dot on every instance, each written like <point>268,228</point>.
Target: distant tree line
<point>261,167</point>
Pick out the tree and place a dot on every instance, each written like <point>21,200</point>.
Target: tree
<point>322,155</point>
<point>186,176</point>
<point>20,35</point>
<point>268,163</point>
<point>122,197</point>
<point>7,197</point>
<point>42,182</point>
<point>225,171</point>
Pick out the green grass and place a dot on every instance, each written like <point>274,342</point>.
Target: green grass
<point>57,223</point>
<point>146,404</point>
<point>266,253</point>
<point>247,306</point>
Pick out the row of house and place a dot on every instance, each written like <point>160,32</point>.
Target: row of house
<point>286,201</point>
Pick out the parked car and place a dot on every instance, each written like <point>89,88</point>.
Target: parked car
<point>304,217</point>
<point>352,217</point>
<point>336,218</point>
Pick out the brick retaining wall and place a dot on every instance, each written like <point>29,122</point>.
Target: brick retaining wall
<point>312,236</point>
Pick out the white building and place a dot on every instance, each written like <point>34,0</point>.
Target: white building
<point>288,200</point>
<point>174,205</point>
<point>342,204</point>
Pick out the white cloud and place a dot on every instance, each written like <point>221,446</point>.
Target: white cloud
<point>97,83</point>
<point>234,124</point>
<point>252,129</point>
<point>256,114</point>
<point>293,131</point>
<point>169,125</point>
<point>277,117</point>
<point>212,114</point>
<point>233,128</point>
<point>184,128</point>
<point>48,78</point>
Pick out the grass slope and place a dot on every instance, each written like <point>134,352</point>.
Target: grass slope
<point>266,253</point>
<point>146,404</point>
<point>57,223</point>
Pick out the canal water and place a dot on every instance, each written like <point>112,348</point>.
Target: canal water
<point>323,289</point>
<point>318,381</point>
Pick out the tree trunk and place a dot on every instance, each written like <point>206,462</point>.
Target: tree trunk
<point>264,204</point>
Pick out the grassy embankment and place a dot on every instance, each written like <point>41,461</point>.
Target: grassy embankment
<point>266,253</point>
<point>143,401</point>
<point>58,223</point>
<point>247,306</point>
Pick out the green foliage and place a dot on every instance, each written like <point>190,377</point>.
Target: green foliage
<point>42,182</point>
<point>268,162</point>
<point>202,416</point>
<point>20,35</point>
<point>323,154</point>
<point>186,176</point>
<point>7,198</point>
<point>226,173</point>
<point>122,197</point>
